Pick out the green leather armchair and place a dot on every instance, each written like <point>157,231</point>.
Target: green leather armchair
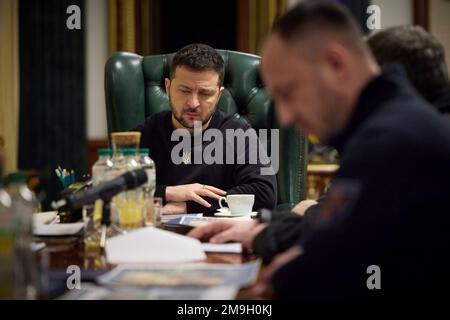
<point>134,88</point>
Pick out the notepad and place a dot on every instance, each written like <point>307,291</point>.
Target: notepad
<point>151,245</point>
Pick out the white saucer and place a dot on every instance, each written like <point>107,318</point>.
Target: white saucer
<point>226,213</point>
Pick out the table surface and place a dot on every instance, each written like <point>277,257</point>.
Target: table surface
<point>57,257</point>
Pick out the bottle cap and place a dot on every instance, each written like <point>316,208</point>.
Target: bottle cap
<point>104,152</point>
<point>16,177</point>
<point>129,152</point>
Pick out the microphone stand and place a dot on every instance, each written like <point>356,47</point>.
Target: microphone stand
<point>106,220</point>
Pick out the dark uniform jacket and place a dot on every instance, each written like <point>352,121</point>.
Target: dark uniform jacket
<point>386,219</point>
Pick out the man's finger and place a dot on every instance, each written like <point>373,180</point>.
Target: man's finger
<point>210,194</point>
<point>200,232</point>
<point>206,231</point>
<point>200,200</point>
<point>222,237</point>
<point>215,190</point>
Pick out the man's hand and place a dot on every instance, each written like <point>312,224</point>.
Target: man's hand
<point>263,288</point>
<point>174,208</point>
<point>302,206</point>
<point>193,192</point>
<point>227,230</point>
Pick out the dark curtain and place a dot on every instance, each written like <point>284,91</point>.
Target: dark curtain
<point>210,22</point>
<point>52,92</point>
<point>359,10</point>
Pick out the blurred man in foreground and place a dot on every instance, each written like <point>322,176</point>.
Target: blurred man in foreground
<point>382,228</point>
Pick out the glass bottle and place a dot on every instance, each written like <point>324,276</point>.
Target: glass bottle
<point>23,206</point>
<point>147,163</point>
<point>129,203</point>
<point>6,246</point>
<point>101,166</point>
<point>101,172</point>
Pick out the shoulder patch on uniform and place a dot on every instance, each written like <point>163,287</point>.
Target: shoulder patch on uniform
<point>339,198</point>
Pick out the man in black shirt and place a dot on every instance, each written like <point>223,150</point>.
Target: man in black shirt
<point>186,180</point>
<point>382,228</point>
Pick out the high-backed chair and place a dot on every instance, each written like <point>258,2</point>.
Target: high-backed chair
<point>134,88</point>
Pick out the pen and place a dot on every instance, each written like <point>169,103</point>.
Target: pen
<point>58,174</point>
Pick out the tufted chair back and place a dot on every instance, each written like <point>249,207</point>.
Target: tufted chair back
<point>134,88</point>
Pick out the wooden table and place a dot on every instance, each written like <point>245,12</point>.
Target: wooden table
<point>56,258</point>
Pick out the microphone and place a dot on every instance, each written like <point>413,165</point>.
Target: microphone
<point>105,191</point>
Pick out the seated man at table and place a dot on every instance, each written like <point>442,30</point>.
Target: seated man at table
<point>386,216</point>
<point>184,183</point>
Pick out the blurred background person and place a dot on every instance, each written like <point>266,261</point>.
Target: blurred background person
<point>421,55</point>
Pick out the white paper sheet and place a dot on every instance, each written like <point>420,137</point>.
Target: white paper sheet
<point>59,229</point>
<point>222,247</point>
<point>151,245</point>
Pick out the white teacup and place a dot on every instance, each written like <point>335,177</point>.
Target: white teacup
<point>239,204</point>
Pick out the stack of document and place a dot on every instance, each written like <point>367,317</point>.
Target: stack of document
<point>185,274</point>
<point>189,281</point>
<point>89,291</point>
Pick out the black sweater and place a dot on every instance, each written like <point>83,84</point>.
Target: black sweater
<point>234,178</point>
<point>388,206</point>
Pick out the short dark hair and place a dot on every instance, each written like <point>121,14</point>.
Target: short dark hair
<point>198,57</point>
<point>318,15</point>
<point>421,55</point>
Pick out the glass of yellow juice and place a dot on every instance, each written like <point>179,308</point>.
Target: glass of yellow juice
<point>130,213</point>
